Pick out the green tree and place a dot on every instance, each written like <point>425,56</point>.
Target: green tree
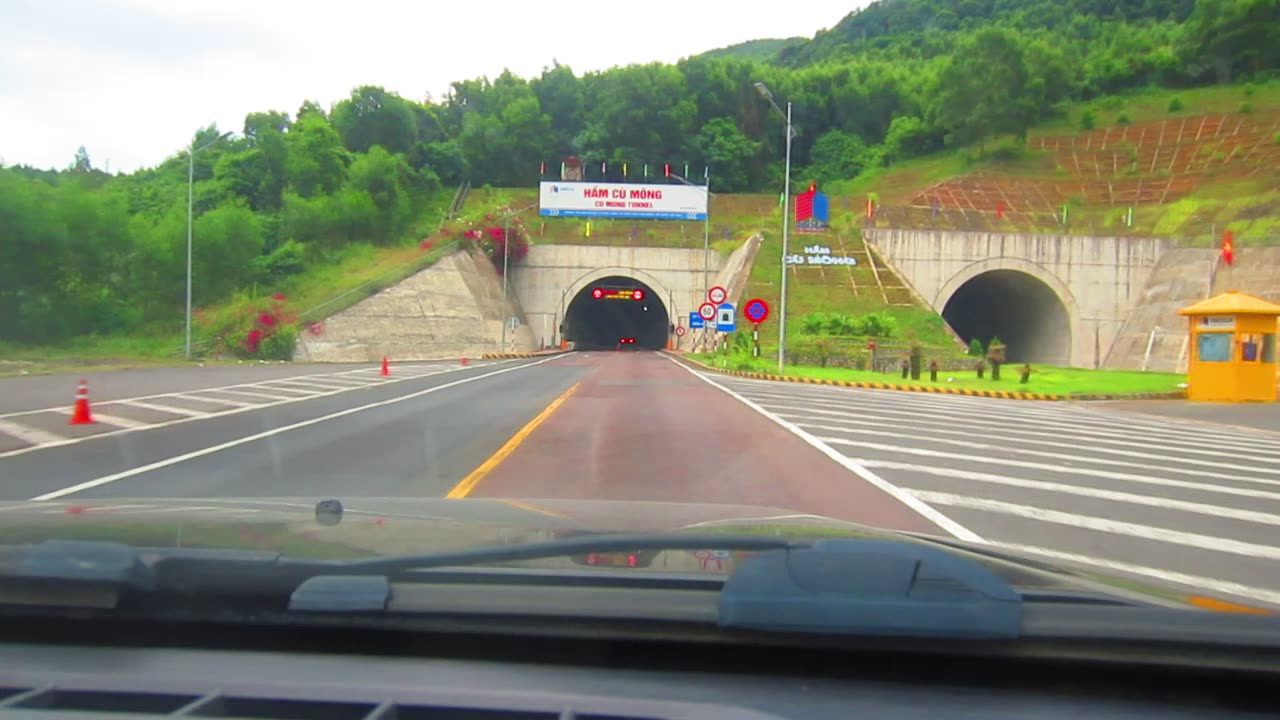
<point>316,162</point>
<point>373,116</point>
<point>987,88</point>
<point>728,153</point>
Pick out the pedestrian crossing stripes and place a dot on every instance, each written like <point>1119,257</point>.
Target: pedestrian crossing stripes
<point>29,430</point>
<point>1183,501</point>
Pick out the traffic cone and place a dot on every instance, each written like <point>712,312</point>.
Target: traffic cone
<point>386,369</point>
<point>80,415</point>
<point>464,361</point>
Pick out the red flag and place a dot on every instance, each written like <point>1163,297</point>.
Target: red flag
<point>1000,209</point>
<point>1228,248</point>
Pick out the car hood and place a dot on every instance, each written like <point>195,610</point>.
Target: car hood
<point>367,527</point>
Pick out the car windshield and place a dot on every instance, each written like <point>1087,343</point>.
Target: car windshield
<point>991,281</point>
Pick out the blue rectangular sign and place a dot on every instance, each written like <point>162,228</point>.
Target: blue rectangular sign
<point>726,318</point>
<point>695,320</point>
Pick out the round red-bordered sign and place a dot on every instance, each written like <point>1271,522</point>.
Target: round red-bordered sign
<point>680,331</point>
<point>717,295</point>
<point>707,311</point>
<point>756,310</point>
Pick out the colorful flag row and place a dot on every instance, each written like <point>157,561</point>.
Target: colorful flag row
<point>626,170</point>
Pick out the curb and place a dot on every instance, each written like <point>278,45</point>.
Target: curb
<point>940,390</point>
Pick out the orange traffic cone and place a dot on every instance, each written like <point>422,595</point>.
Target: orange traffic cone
<point>80,415</point>
<point>464,361</point>
<point>386,369</point>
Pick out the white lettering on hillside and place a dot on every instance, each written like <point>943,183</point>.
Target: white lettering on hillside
<point>820,255</point>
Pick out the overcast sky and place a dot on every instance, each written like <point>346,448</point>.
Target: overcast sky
<point>131,80</point>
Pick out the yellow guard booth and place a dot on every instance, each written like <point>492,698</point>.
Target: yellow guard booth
<point>1233,348</point>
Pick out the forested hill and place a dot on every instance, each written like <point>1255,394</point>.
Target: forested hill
<point>901,25</point>
<point>83,251</point>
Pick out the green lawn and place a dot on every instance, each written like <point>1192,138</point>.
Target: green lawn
<point>1046,379</point>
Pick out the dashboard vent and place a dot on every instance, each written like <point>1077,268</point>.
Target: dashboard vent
<point>62,702</point>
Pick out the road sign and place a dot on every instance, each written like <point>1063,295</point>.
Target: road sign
<point>725,318</point>
<point>707,311</point>
<point>717,295</point>
<point>696,321</point>
<point>756,310</point>
<point>680,331</point>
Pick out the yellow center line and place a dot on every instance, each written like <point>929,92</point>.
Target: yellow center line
<point>468,483</point>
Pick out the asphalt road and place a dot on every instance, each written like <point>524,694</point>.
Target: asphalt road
<point>1148,495</point>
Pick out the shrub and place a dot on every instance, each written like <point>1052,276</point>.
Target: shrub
<point>1087,120</point>
<point>975,348</point>
<point>1246,107</point>
<point>823,350</point>
<point>1175,104</point>
<point>1122,118</point>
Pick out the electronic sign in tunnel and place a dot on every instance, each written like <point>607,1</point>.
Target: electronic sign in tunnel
<point>1019,309</point>
<point>605,312</point>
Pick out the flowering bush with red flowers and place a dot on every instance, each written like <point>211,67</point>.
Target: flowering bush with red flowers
<point>495,240</point>
<point>263,330</point>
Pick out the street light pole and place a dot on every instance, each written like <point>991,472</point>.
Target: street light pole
<point>506,253</point>
<point>786,228</point>
<point>191,184</point>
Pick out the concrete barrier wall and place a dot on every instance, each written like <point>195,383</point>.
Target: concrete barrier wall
<point>451,309</point>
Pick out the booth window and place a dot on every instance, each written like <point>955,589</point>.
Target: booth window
<point>1249,347</point>
<point>1213,347</point>
<point>1268,347</point>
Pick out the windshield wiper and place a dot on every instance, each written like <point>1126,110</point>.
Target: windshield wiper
<point>832,586</point>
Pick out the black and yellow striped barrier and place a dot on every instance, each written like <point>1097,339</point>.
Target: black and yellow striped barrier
<point>507,356</point>
<point>942,389</point>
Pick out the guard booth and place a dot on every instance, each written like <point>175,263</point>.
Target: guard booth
<point>1233,348</point>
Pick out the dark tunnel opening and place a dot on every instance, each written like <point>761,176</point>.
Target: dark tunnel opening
<point>606,311</point>
<point>1016,307</point>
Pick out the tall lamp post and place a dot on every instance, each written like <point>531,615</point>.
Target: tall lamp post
<point>506,254</point>
<point>786,225</point>
<point>191,184</point>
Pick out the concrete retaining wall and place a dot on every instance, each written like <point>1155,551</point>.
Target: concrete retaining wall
<point>451,309</point>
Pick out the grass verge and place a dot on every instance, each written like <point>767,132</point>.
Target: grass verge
<point>1045,379</point>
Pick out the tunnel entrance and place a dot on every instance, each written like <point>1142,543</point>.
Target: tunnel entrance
<point>616,307</point>
<point>1020,309</point>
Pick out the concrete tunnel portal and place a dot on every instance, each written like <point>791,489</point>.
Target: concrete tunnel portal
<point>607,310</point>
<point>1020,309</point>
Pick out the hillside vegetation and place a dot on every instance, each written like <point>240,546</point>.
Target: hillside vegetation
<point>298,203</point>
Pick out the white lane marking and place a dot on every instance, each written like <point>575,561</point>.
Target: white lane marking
<point>1096,442</point>
<point>931,437</point>
<point>163,408</point>
<point>1065,419</point>
<point>117,420</point>
<point>1089,492</point>
<point>1117,527</point>
<point>213,400</point>
<point>301,396</point>
<point>1196,583</point>
<point>28,434</point>
<point>1063,469</point>
<point>254,394</point>
<point>1070,417</point>
<point>316,386</point>
<point>275,431</point>
<point>902,496</point>
<point>215,387</point>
